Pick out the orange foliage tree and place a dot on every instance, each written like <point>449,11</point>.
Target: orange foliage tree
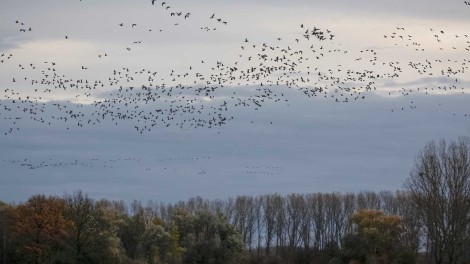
<point>41,229</point>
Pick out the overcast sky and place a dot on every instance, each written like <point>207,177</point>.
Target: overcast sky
<point>299,114</point>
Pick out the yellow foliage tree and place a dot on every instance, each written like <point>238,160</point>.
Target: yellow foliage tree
<point>380,231</point>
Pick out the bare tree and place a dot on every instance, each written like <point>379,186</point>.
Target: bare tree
<point>244,219</point>
<point>258,214</point>
<point>368,200</point>
<point>389,202</point>
<point>335,218</point>
<point>349,207</point>
<point>439,185</point>
<point>410,219</point>
<point>280,227</point>
<point>306,224</point>
<point>269,220</point>
<point>294,209</point>
<point>317,210</point>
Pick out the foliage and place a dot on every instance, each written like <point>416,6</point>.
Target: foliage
<point>377,237</point>
<point>92,233</point>
<point>40,229</point>
<point>208,238</point>
<point>368,227</point>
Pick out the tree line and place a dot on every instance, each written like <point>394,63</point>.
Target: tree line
<point>427,222</point>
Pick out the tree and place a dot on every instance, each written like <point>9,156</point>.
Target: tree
<point>105,246</point>
<point>84,216</point>
<point>244,219</point>
<point>92,230</point>
<point>207,238</point>
<point>143,235</point>
<point>41,229</point>
<point>377,237</point>
<point>439,185</point>
<point>269,220</point>
<point>280,220</point>
<point>411,224</point>
<point>6,220</point>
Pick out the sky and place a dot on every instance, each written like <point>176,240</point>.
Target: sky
<point>163,101</point>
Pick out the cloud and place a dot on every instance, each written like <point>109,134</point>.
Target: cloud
<point>279,140</point>
<point>320,145</point>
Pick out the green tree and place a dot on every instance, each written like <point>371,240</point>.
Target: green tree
<point>174,249</point>
<point>93,230</point>
<point>208,238</point>
<point>143,236</point>
<point>105,246</point>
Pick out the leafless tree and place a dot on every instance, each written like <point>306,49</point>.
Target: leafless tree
<point>412,227</point>
<point>439,185</point>
<point>349,207</point>
<point>335,218</point>
<point>368,200</point>
<point>317,211</point>
<point>294,209</point>
<point>244,219</point>
<point>280,227</point>
<point>269,220</point>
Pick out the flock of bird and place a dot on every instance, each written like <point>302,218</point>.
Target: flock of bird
<point>147,164</point>
<point>146,99</point>
<point>100,163</point>
<point>262,170</point>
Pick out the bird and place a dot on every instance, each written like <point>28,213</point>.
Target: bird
<point>266,67</point>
